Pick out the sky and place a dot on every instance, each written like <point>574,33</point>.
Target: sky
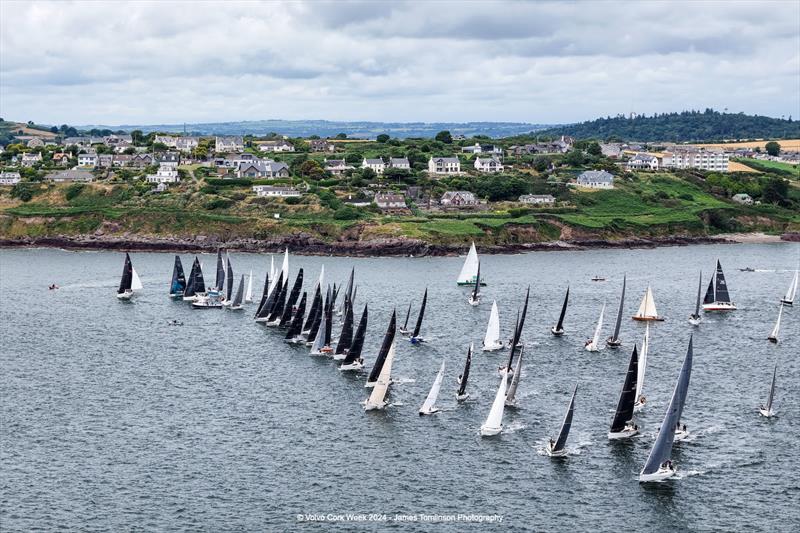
<point>541,62</point>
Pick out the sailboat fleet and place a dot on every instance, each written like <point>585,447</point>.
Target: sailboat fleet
<point>308,320</point>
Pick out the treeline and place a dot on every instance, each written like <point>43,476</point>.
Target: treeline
<point>686,126</point>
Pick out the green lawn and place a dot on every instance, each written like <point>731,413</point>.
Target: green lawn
<point>777,165</point>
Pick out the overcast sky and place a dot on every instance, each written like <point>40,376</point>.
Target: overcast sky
<point>544,62</point>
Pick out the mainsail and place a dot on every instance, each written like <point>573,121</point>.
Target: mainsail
<point>264,297</point>
<point>647,309</point>
<point>615,337</point>
<point>772,388</point>
<point>377,399</point>
<point>563,433</point>
<point>346,335</point>
<point>518,330</point>
<point>476,291</point>
<point>220,281</point>
<point>421,314</point>
<point>662,448</point>
<point>642,363</point>
<point>354,352</point>
<point>627,396</point>
<point>492,337</point>
<point>774,335</point>
<point>429,406</point>
<point>462,382</point>
<point>598,328</point>
<point>127,275</point>
<point>229,280</point>
<point>494,422</point>
<point>196,283</point>
<point>136,283</point>
<point>792,291</point>
<point>408,313</point>
<point>320,340</point>
<point>560,325</point>
<point>470,268</point>
<point>699,291</point>
<point>313,313</point>
<point>237,299</point>
<point>178,283</point>
<point>388,340</point>
<point>248,296</point>
<point>296,325</point>
<point>511,393</point>
<point>288,308</point>
<point>721,288</point>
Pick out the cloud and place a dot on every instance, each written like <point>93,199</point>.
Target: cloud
<point>156,62</point>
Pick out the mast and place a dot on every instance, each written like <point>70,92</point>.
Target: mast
<point>388,340</point>
<point>512,388</point>
<point>296,325</point>
<point>518,329</point>
<point>178,283</point>
<point>615,336</point>
<point>560,325</point>
<point>563,433</point>
<point>772,387</point>
<point>421,314</point>
<point>127,275</point>
<point>721,289</point>
<point>627,396</point>
<point>462,384</point>
<point>477,289</point>
<point>354,352</point>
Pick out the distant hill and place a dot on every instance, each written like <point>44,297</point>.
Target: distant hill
<point>687,126</point>
<point>325,128</point>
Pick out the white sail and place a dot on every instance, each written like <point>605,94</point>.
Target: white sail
<point>136,283</point>
<point>593,346</point>
<point>775,330</point>
<point>429,407</point>
<point>494,422</point>
<point>470,268</point>
<point>647,309</point>
<point>792,292</point>
<point>272,267</point>
<point>285,267</point>
<point>642,362</point>
<point>377,399</point>
<point>249,294</point>
<point>492,337</point>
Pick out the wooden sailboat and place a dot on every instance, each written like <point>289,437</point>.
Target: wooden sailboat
<point>470,269</point>
<point>613,341</point>
<point>593,344</point>
<point>377,399</point>
<point>416,338</point>
<point>461,393</point>
<point>558,329</point>
<point>558,447</point>
<point>658,465</point>
<point>248,295</point>
<point>766,410</point>
<point>236,304</point>
<point>695,318</point>
<point>717,297</point>
<point>178,283</point>
<point>494,422</point>
<point>404,328</point>
<point>491,341</point>
<point>773,337</point>
<point>129,282</point>
<point>388,340</point>
<point>294,333</point>
<point>788,299</point>
<point>622,426</point>
<point>475,296</point>
<point>353,359</point>
<point>195,285</point>
<point>511,393</point>
<point>647,309</point>
<point>429,406</point>
<point>642,365</point>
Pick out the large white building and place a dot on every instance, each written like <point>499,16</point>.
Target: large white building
<point>166,173</point>
<point>9,178</point>
<point>378,165</point>
<point>643,161</point>
<point>281,192</point>
<point>488,164</point>
<point>596,179</point>
<point>444,165</point>
<point>700,158</point>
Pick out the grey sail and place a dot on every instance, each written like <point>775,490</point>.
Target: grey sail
<point>518,330</point>
<point>189,289</point>
<point>354,352</point>
<point>237,300</point>
<point>296,325</point>
<point>560,325</point>
<point>662,448</point>
<point>699,291</point>
<point>721,287</point>
<point>477,289</point>
<point>320,305</point>
<point>615,337</point>
<point>772,387</point>
<point>561,441</point>
<point>288,308</point>
<point>511,392</point>
<point>178,283</point>
<point>627,397</point>
<point>421,314</point>
<point>462,384</point>
<point>388,339</point>
<point>266,309</point>
<point>229,282</point>
<point>220,281</point>
<point>276,308</point>
<point>348,291</point>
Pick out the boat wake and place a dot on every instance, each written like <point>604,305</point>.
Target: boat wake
<point>513,427</point>
<point>403,380</point>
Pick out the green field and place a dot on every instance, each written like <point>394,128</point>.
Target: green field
<point>776,165</point>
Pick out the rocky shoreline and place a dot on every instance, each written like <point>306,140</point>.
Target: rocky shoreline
<point>308,245</point>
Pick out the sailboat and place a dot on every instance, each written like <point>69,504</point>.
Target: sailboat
<point>773,337</point>
<point>353,359</point>
<point>592,345</point>
<point>461,393</point>
<point>788,299</point>
<point>288,307</point>
<point>695,318</point>
<point>491,341</point>
<point>640,399</point>
<point>647,309</point>
<point>613,341</point>
<point>475,297</point>
<point>322,342</point>
<point>558,329</point>
<point>129,282</point>
<point>275,313</point>
<point>264,296</point>
<point>558,447</point>
<point>294,333</point>
<point>377,399</point>
<point>267,307</point>
<point>236,304</point>
<point>766,410</point>
<point>209,300</point>
<point>312,320</point>
<point>195,285</point>
<point>284,270</point>
<point>346,335</point>
<point>388,340</point>
<point>511,393</point>
<point>717,297</point>
<point>348,293</point>
<point>415,336</point>
<point>516,342</point>
<point>404,328</point>
<point>622,426</point>
<point>470,269</point>
<point>494,422</point>
<point>248,296</point>
<point>178,283</point>
<point>227,295</point>
<point>219,283</point>
<point>658,465</point>
<point>429,406</point>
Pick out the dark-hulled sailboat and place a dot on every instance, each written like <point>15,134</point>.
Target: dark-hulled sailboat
<point>461,393</point>
<point>717,297</point>
<point>622,426</point>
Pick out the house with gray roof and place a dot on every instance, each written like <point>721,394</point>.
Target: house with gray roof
<point>229,144</point>
<point>378,165</point>
<point>458,199</point>
<point>399,162</point>
<point>65,176</point>
<point>444,165</point>
<point>596,179</point>
<point>488,164</point>
<point>337,167</point>
<point>262,169</point>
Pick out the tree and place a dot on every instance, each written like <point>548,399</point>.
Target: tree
<point>382,138</point>
<point>772,148</point>
<point>444,137</point>
<point>574,158</point>
<point>594,149</point>
<point>311,169</point>
<point>540,163</point>
<point>341,136</point>
<point>776,191</point>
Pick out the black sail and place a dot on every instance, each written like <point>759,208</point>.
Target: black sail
<point>709,297</point>
<point>354,352</point>
<point>561,441</point>
<point>328,325</point>
<point>699,291</point>
<point>314,311</point>
<point>220,281</point>
<point>264,296</point>
<point>229,282</point>
<point>518,330</point>
<point>296,325</point>
<point>721,291</point>
<point>462,385</point>
<point>178,284</point>
<point>560,324</point>
<point>199,281</point>
<point>237,299</point>
<point>388,339</point>
<point>280,302</point>
<point>293,295</point>
<point>127,275</point>
<point>346,336</point>
<point>477,289</point>
<point>421,314</point>
<point>615,337</point>
<point>408,313</point>
<point>627,397</point>
<point>314,329</point>
<point>189,289</point>
<point>266,309</point>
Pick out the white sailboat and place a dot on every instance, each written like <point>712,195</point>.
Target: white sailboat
<point>429,407</point>
<point>640,398</point>
<point>773,337</point>
<point>377,398</point>
<point>788,299</point>
<point>766,410</point>
<point>470,269</point>
<point>248,296</point>
<point>491,341</point>
<point>511,393</point>
<point>647,309</point>
<point>593,344</point>
<point>494,422</point>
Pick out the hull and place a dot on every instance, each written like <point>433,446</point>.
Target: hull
<point>648,318</point>
<point>555,453</point>
<point>327,350</point>
<point>462,397</point>
<point>339,356</point>
<point>236,308</point>
<point>473,303</point>
<point>626,433</point>
<point>295,340</point>
<point>766,413</point>
<point>787,302</point>
<point>428,412</point>
<point>493,347</point>
<point>374,407</point>
<point>470,283</point>
<point>611,343</point>
<point>127,295</point>
<point>719,306</point>
<point>639,406</point>
<point>772,339</point>
<point>405,332</point>
<point>591,348</point>
<point>176,295</point>
<point>416,340</point>
<point>680,436</point>
<point>490,431</point>
<point>352,367</point>
<point>203,305</point>
<point>659,475</point>
<point>695,320</point>
<point>557,332</point>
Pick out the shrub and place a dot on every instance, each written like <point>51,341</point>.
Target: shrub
<point>73,191</point>
<point>218,203</point>
<point>292,200</point>
<point>346,212</point>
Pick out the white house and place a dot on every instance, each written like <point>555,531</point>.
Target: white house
<point>30,158</point>
<point>537,199</point>
<point>742,198</point>
<point>166,173</point>
<point>87,160</point>
<point>337,167</point>
<point>282,192</point>
<point>169,160</point>
<point>9,178</point>
<point>596,179</point>
<point>458,198</point>
<point>228,144</point>
<point>262,169</point>
<point>444,165</point>
<point>390,200</point>
<point>712,159</point>
<point>399,162</point>
<point>276,146</point>
<point>478,148</point>
<point>643,161</point>
<point>378,165</point>
<point>70,175</point>
<point>321,145</point>
<point>488,164</point>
